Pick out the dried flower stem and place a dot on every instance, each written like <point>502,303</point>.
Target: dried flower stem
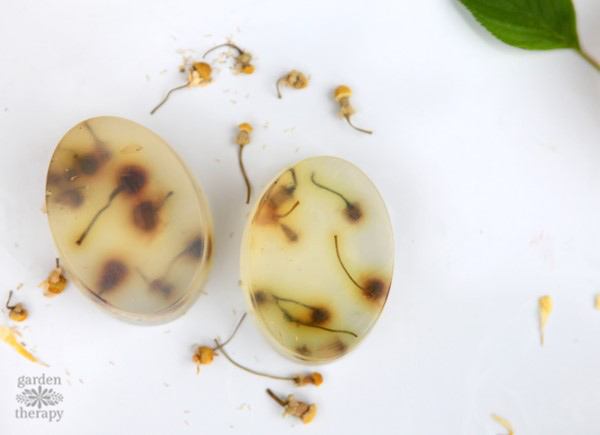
<point>291,318</point>
<point>279,96</point>
<point>280,378</point>
<point>112,196</point>
<point>275,397</point>
<point>352,212</point>
<point>233,333</point>
<point>164,100</point>
<point>227,44</point>
<point>8,301</point>
<point>287,213</point>
<point>355,127</point>
<point>245,175</point>
<point>337,251</point>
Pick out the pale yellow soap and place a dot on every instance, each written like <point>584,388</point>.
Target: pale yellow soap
<point>317,259</point>
<point>130,223</point>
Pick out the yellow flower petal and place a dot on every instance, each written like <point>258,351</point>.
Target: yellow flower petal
<point>504,423</point>
<point>8,336</point>
<point>545,310</point>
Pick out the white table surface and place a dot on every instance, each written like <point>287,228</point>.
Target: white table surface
<point>487,156</point>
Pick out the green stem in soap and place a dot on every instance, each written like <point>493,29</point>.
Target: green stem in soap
<point>112,196</point>
<point>373,289</point>
<point>353,211</point>
<point>588,58</point>
<point>164,100</point>
<point>290,318</point>
<point>286,214</point>
<point>337,251</point>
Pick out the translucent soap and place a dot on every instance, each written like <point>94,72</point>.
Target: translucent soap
<point>131,225</point>
<point>317,259</point>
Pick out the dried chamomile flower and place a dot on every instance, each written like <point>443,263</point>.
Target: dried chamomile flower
<point>304,411</point>
<point>15,312</point>
<point>545,305</point>
<point>242,139</point>
<point>504,423</point>
<point>199,74</point>
<point>243,60</point>
<point>294,79</point>
<point>55,283</point>
<point>342,96</point>
<point>597,302</point>
<point>8,335</point>
<point>204,355</point>
<point>314,378</point>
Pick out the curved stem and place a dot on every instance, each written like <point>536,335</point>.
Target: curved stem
<point>227,44</point>
<point>164,100</point>
<point>329,189</point>
<point>233,333</point>
<point>588,58</point>
<point>254,372</point>
<point>277,87</point>
<point>112,196</point>
<point>291,318</point>
<point>355,127</point>
<point>287,213</point>
<point>337,251</point>
<point>246,180</point>
<point>8,301</point>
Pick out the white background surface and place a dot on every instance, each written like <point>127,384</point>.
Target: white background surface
<point>486,155</point>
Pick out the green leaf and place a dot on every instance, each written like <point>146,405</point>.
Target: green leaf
<point>531,24</point>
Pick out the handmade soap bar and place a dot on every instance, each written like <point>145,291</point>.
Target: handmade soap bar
<point>317,258</point>
<point>132,227</point>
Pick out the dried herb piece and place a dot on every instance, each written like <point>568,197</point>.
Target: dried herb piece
<point>353,211</point>
<point>294,79</point>
<point>131,180</point>
<point>243,60</point>
<point>304,411</point>
<point>199,74</point>
<point>159,284</point>
<point>112,275</point>
<point>203,356</point>
<point>71,197</point>
<point>8,335</point>
<point>15,312</point>
<point>504,423</point>
<point>55,283</point>
<point>545,306</point>
<point>317,316</point>
<point>597,302</point>
<point>243,139</point>
<point>145,213</point>
<point>373,288</point>
<point>342,96</point>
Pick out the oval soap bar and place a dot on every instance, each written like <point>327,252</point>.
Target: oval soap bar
<point>317,258</point>
<point>131,225</point>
